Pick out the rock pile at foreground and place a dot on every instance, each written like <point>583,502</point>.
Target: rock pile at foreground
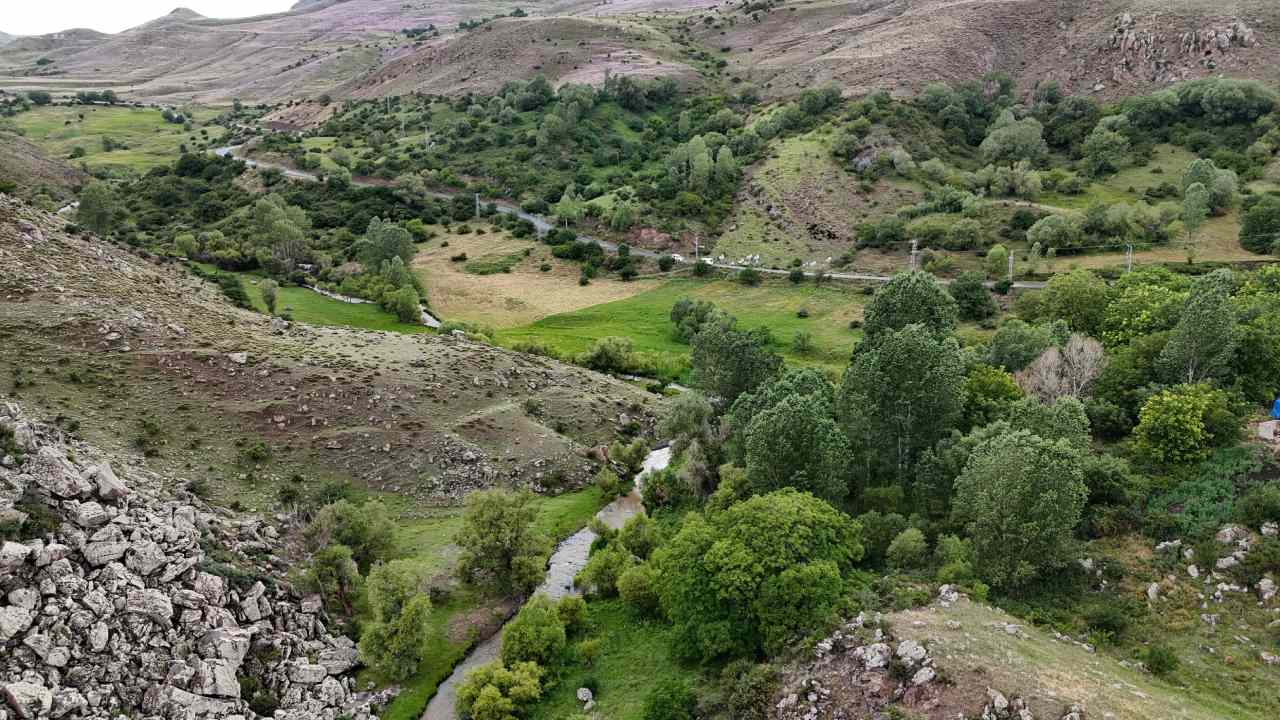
<point>112,608</point>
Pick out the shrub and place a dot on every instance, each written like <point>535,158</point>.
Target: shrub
<point>573,614</point>
<point>495,692</point>
<point>636,585</point>
<point>609,483</point>
<point>908,549</point>
<point>1259,505</point>
<point>1160,659</point>
<point>599,577</point>
<point>878,532</point>
<point>749,277</point>
<point>670,699</point>
<point>639,536</point>
<point>536,635</point>
<point>1178,425</point>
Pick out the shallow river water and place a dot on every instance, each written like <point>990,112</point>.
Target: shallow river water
<point>570,557</point>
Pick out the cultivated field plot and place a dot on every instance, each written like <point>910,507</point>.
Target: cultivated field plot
<point>145,139</point>
<point>477,290</point>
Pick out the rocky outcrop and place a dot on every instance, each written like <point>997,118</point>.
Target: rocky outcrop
<point>118,611</point>
<point>1151,50</point>
<point>859,671</point>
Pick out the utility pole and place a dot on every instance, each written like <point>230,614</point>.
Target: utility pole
<point>1128,258</point>
<point>696,250</point>
<point>1010,267</point>
<point>913,255</point>
<point>477,204</point>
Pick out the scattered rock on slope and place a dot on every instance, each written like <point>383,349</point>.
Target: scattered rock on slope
<point>118,611</point>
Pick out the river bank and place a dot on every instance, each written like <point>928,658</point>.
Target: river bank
<point>569,557</point>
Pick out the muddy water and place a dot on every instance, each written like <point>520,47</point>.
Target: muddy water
<point>570,556</point>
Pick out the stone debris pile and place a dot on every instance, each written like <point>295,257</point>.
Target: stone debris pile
<point>109,606</point>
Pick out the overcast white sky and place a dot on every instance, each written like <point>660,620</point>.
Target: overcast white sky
<point>37,17</point>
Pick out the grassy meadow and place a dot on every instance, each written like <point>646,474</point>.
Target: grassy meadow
<point>774,304</point>
<point>149,140</point>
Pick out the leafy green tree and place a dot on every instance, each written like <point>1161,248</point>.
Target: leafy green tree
<point>384,240</point>
<point>748,578</point>
<point>1016,343</point>
<point>1011,140</point>
<point>900,396</point>
<point>638,587</point>
<point>333,573</point>
<point>878,531</point>
<point>1140,309</point>
<point>570,207</point>
<point>269,289</point>
<point>792,382</point>
<point>973,300</point>
<point>99,207</point>
<point>688,417</point>
<point>494,692</point>
<point>1105,149</point>
<point>1020,498</point>
<point>1260,229</point>
<point>912,297</point>
<point>987,393</point>
<point>1079,297</point>
<point>1221,185</point>
<point>1195,208</point>
<point>639,536</point>
<point>599,577</point>
<point>1182,424</point>
<point>797,444</point>
<point>1203,342</point>
<point>728,362</point>
<point>1056,232</point>
<point>366,529</point>
<point>536,635</point>
<point>908,550</point>
<point>404,304</point>
<point>997,262</point>
<point>500,546</point>
<point>394,643</point>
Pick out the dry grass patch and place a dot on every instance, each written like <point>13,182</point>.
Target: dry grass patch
<point>509,299</point>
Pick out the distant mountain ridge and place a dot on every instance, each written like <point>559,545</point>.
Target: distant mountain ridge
<point>364,48</point>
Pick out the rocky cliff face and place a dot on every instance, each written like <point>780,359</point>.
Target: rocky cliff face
<point>112,604</point>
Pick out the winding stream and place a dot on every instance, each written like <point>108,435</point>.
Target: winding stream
<point>570,556</point>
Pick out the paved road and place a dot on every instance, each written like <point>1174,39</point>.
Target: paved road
<point>543,226</point>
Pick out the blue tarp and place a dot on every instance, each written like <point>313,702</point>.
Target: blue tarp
<point>1275,409</point>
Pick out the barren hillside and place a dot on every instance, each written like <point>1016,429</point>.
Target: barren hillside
<point>564,49</point>
<point>1093,46</point>
<point>359,48</point>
